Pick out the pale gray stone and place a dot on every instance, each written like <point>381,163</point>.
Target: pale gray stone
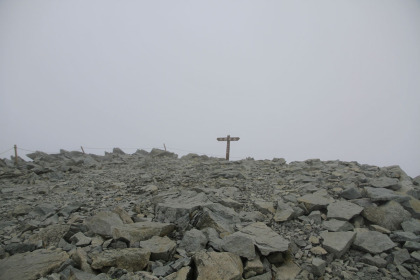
<point>400,256</point>
<point>338,243</point>
<point>411,225</point>
<point>318,266</point>
<point>266,240</point>
<point>385,182</point>
<point>412,246</point>
<point>390,215</point>
<point>103,223</point>
<point>402,236</point>
<point>131,259</point>
<point>31,265</point>
<point>141,231</point>
<point>239,244</point>
<point>337,225</point>
<point>373,242</point>
<point>376,260</point>
<point>382,194</point>
<point>214,265</point>
<point>314,202</point>
<point>193,241</point>
<point>343,210</point>
<point>79,239</point>
<point>161,248</point>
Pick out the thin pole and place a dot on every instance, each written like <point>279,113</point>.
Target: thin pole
<point>16,155</point>
<point>82,149</point>
<point>164,146</point>
<point>228,148</point>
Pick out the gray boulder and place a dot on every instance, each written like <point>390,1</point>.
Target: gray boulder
<point>266,240</point>
<point>193,241</point>
<point>31,265</point>
<point>412,205</point>
<point>382,194</point>
<point>314,201</point>
<point>103,223</point>
<point>351,192</point>
<point>214,265</point>
<point>337,243</point>
<point>216,216</point>
<point>373,242</point>
<point>141,231</point>
<point>343,210</point>
<point>284,212</point>
<point>318,266</point>
<point>131,259</point>
<point>390,215</point>
<point>375,260</point>
<point>337,225</point>
<point>240,245</point>
<point>385,182</point>
<point>161,248</point>
<point>411,225</point>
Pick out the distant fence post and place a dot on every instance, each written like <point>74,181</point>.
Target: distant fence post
<point>16,155</point>
<point>82,149</point>
<point>164,146</point>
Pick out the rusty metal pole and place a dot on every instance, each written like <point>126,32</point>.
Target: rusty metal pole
<point>16,155</point>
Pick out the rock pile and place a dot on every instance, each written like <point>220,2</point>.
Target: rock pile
<point>156,216</point>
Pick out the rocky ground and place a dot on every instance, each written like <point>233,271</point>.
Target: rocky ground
<point>156,216</point>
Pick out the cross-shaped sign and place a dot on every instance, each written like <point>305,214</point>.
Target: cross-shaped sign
<point>228,139</point>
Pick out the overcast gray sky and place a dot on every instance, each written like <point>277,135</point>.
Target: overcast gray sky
<point>293,79</point>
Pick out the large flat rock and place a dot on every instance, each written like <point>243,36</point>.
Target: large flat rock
<point>266,240</point>
<point>390,215</point>
<point>214,265</point>
<point>131,259</point>
<point>31,266</point>
<point>315,201</point>
<point>141,231</point>
<point>343,210</point>
<point>373,242</point>
<point>104,222</point>
<point>338,243</point>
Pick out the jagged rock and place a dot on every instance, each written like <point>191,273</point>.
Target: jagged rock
<point>343,210</point>
<point>213,238</point>
<point>76,274</point>
<point>50,236</point>
<point>412,246</point>
<point>216,216</point>
<point>390,215</point>
<point>253,267</point>
<point>287,271</point>
<point>416,255</point>
<point>265,276</point>
<point>17,248</point>
<point>373,242</point>
<point>131,259</point>
<point>193,241</point>
<point>103,223</point>
<point>266,240</point>
<point>181,274</point>
<point>338,243</point>
<point>376,260</point>
<point>413,206</point>
<point>161,248</point>
<point>284,212</point>
<point>318,266</point>
<point>141,231</point>
<point>253,216</point>
<point>337,225</point>
<point>265,207</point>
<point>380,229</point>
<point>177,207</point>
<point>402,236</point>
<point>79,239</point>
<point>351,192</point>
<point>385,182</point>
<point>315,216</point>
<point>80,257</point>
<point>123,215</point>
<point>214,265</point>
<point>31,265</point>
<point>411,225</point>
<point>400,256</point>
<point>240,245</point>
<point>382,194</point>
<point>314,202</point>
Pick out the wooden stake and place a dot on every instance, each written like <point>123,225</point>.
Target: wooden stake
<point>164,146</point>
<point>16,155</point>
<point>82,149</point>
<point>228,139</point>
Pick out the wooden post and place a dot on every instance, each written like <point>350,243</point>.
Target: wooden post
<point>16,155</point>
<point>82,149</point>
<point>228,139</point>
<point>164,146</point>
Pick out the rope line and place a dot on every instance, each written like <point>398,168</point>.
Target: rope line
<point>26,150</point>
<point>6,151</point>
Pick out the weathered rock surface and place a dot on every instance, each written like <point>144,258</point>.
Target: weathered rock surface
<point>30,266</point>
<point>213,265</point>
<point>154,216</point>
<point>373,242</point>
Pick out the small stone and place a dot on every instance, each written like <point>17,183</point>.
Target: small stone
<point>161,248</point>
<point>193,241</point>
<point>402,236</point>
<point>380,229</point>
<point>403,271</point>
<point>240,245</point>
<point>411,225</point>
<point>318,250</point>
<point>314,239</point>
<point>318,266</point>
<point>343,210</point>
<point>337,225</point>
<point>416,255</point>
<point>338,243</point>
<point>412,246</point>
<point>400,256</point>
<point>373,242</point>
<point>80,240</point>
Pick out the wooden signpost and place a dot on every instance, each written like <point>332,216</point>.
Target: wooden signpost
<point>228,139</point>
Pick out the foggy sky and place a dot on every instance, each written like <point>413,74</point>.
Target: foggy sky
<point>293,79</point>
